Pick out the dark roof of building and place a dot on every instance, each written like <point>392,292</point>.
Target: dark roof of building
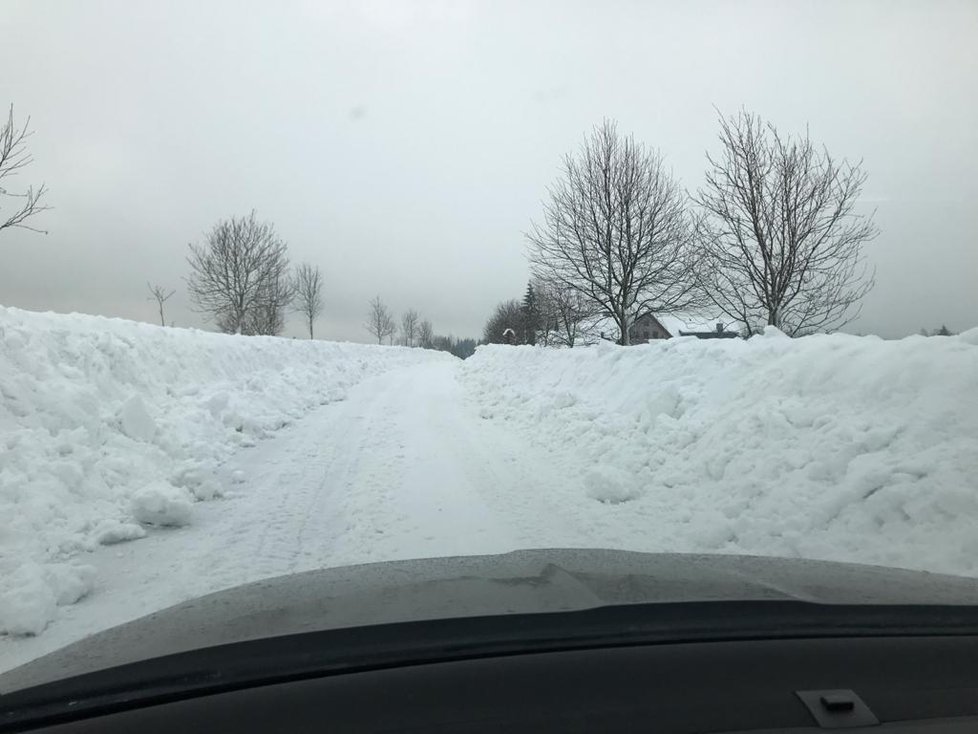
<point>710,334</point>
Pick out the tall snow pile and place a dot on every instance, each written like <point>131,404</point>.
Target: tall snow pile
<point>109,427</point>
<point>830,447</point>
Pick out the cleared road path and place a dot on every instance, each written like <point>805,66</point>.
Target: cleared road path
<point>403,468</point>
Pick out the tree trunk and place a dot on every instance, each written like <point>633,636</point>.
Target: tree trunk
<point>626,338</point>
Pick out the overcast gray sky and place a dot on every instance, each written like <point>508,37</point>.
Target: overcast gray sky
<point>404,145</point>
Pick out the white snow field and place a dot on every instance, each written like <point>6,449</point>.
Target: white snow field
<point>228,459</point>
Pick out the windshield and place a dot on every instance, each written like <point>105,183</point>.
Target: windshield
<point>299,286</point>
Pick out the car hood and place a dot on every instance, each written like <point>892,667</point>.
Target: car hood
<point>523,582</point>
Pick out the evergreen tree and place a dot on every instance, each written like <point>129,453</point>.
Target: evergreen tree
<point>531,315</point>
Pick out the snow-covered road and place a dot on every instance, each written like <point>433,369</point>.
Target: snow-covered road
<point>286,455</point>
<point>403,468</point>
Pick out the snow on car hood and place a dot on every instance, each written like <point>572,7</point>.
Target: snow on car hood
<point>523,582</point>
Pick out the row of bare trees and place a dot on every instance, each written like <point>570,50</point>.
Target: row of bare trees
<point>240,276</point>
<point>772,238</point>
<point>550,314</point>
<point>413,331</point>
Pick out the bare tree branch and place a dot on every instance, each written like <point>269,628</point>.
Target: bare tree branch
<point>616,230</point>
<point>161,296</point>
<point>781,240</point>
<point>13,157</point>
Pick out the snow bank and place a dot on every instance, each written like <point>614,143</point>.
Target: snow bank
<point>832,447</point>
<point>108,425</point>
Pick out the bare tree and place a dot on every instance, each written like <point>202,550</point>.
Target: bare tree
<point>309,293</point>
<point>565,310</point>
<point>161,296</point>
<point>616,230</point>
<point>409,327</point>
<point>380,323</point>
<point>13,157</point>
<point>426,334</point>
<point>241,276</point>
<point>781,238</point>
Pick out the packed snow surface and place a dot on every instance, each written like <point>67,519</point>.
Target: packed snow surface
<point>227,459</point>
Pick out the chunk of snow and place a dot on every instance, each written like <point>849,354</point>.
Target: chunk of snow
<point>603,486</point>
<point>207,489</point>
<point>160,503</point>
<point>27,605</point>
<point>136,421</point>
<point>564,400</point>
<point>70,581</point>
<point>199,482</point>
<point>217,404</point>
<point>113,531</point>
<point>31,594</point>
